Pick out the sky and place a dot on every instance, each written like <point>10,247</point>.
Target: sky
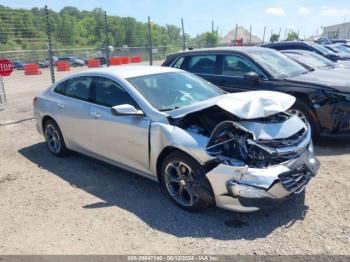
<point>305,16</point>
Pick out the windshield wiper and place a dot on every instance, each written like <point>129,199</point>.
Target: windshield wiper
<point>168,109</point>
<point>309,70</point>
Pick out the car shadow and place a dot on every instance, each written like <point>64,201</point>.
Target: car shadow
<point>328,146</point>
<point>147,200</point>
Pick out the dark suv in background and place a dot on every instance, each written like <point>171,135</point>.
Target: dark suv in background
<point>308,46</point>
<point>323,102</point>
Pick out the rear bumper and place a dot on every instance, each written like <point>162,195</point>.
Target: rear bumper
<point>246,189</point>
<point>38,121</point>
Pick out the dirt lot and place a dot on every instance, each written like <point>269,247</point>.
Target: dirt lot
<point>76,205</point>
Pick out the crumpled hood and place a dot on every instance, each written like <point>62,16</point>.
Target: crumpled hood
<point>333,78</point>
<point>245,105</point>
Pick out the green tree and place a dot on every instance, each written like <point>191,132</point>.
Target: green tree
<point>292,36</point>
<point>274,38</point>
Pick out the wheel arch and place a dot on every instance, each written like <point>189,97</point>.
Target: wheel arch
<point>305,99</point>
<point>45,119</point>
<point>164,153</point>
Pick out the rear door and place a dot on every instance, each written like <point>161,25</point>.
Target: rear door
<point>72,110</point>
<point>203,65</point>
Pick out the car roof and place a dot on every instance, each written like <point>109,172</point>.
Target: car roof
<point>241,49</point>
<point>298,51</point>
<point>287,43</point>
<point>127,71</point>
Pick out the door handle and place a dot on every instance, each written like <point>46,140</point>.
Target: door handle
<point>60,106</point>
<point>95,115</point>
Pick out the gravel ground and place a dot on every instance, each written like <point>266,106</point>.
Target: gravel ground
<point>76,205</point>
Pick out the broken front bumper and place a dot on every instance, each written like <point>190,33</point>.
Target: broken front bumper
<point>247,189</point>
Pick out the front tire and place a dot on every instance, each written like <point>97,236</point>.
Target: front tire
<point>184,180</point>
<point>54,138</point>
<point>303,112</point>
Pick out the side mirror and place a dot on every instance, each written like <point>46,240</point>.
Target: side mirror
<point>126,110</point>
<point>252,77</point>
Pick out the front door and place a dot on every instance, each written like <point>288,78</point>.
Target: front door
<point>233,68</point>
<point>124,138</point>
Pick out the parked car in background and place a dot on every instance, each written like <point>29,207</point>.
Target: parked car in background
<point>340,41</point>
<point>323,40</point>
<point>73,61</point>
<point>323,102</point>
<point>19,65</point>
<point>46,62</point>
<point>312,60</point>
<point>340,49</point>
<point>242,151</point>
<point>308,46</point>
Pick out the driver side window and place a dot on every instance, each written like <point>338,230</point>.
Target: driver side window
<point>237,66</point>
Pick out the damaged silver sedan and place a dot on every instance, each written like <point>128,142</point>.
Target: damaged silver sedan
<point>242,152</point>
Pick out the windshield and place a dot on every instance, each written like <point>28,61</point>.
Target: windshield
<point>311,60</point>
<point>341,49</point>
<point>168,91</point>
<point>277,64</point>
<point>321,49</point>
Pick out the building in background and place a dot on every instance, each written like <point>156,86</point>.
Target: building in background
<point>339,31</point>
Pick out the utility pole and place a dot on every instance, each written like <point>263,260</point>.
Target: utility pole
<point>183,35</point>
<point>212,33</point>
<point>106,40</point>
<point>264,35</point>
<point>48,31</point>
<point>250,34</point>
<point>279,34</point>
<point>236,35</point>
<point>271,33</point>
<point>150,42</point>
<point>285,34</point>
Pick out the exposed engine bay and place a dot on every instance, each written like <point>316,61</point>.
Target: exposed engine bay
<point>256,143</point>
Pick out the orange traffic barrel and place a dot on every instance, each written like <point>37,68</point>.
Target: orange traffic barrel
<point>135,59</point>
<point>32,69</point>
<point>94,63</point>
<point>115,61</point>
<point>63,66</point>
<point>125,60</point>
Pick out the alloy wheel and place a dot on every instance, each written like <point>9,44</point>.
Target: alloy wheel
<point>179,181</point>
<point>53,138</point>
<point>300,114</point>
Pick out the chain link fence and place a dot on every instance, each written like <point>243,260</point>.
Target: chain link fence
<point>42,37</point>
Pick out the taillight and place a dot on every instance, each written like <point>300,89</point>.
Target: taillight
<point>34,99</point>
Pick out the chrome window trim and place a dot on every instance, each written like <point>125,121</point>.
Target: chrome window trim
<point>52,89</point>
<point>90,102</point>
<point>265,78</point>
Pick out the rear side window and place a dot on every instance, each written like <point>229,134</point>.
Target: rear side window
<point>109,93</point>
<point>202,64</point>
<point>59,89</point>
<point>79,87</point>
<point>179,62</point>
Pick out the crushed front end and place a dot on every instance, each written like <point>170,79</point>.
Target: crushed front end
<point>260,162</point>
<point>259,153</point>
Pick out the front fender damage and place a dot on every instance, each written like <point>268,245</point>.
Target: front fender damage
<point>258,163</point>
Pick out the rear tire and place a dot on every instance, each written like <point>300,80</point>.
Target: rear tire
<point>54,139</point>
<point>185,182</point>
<point>303,111</point>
